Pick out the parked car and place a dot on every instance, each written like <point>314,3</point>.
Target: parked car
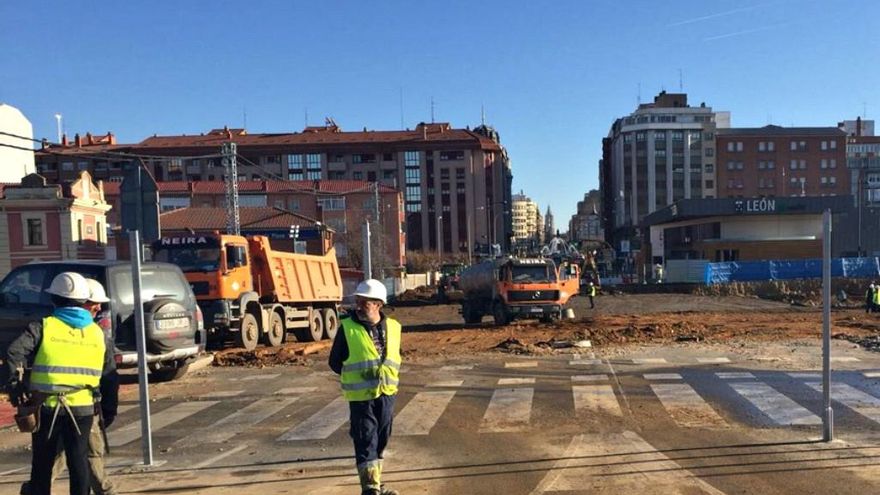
<point>173,322</point>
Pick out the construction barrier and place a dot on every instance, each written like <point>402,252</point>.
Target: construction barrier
<point>753,271</point>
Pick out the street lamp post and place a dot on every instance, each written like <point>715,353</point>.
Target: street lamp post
<point>439,239</point>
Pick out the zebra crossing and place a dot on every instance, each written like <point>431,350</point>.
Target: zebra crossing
<point>507,395</point>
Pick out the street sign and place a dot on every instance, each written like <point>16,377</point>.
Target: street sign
<point>140,202</point>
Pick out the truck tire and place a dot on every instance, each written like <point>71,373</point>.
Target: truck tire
<point>276,332</point>
<point>166,372</point>
<point>249,333</point>
<point>331,323</point>
<point>470,314</point>
<point>315,330</point>
<point>499,313</point>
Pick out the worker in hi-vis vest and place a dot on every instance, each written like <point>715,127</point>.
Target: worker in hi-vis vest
<point>366,356</point>
<point>68,358</point>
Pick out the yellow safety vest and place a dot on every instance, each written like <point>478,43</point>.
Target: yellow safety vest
<point>593,291</point>
<point>365,375</point>
<point>68,363</point>
<point>876,296</point>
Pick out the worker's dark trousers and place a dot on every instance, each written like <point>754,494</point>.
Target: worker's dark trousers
<point>371,427</point>
<point>75,445</point>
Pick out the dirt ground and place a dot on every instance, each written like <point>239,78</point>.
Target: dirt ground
<point>438,331</point>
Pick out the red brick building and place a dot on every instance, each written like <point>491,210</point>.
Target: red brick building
<point>775,161</point>
<point>342,205</point>
<point>44,222</point>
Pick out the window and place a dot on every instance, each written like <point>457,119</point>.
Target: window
<point>739,165</point>
<point>389,174</point>
<point>730,183</point>
<point>293,204</point>
<point>794,146</point>
<point>803,164</point>
<point>832,163</point>
<point>83,165</point>
<point>68,166</point>
<point>824,145</point>
<point>411,158</point>
<point>710,184</point>
<point>731,146</point>
<point>824,163</point>
<point>793,165</point>
<point>358,175</point>
<point>762,146</point>
<point>710,151</point>
<point>833,145</point>
<point>25,286</point>
<point>739,146</point>
<point>295,175</point>
<point>363,158</point>
<point>731,165</point>
<point>710,168</point>
<point>771,164</point>
<point>832,180</point>
<point>761,183</point>
<point>332,204</point>
<point>451,156</point>
<point>823,180</point>
<point>762,165</point>
<point>35,231</point>
<point>387,157</point>
<point>771,146</point>
<point>677,136</point>
<point>271,159</point>
<point>640,136</point>
<point>313,166</point>
<point>294,162</point>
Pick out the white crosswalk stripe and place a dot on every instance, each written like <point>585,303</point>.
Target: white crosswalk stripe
<point>649,361</point>
<point>865,404</point>
<point>589,378</point>
<point>588,362</point>
<point>734,375</point>
<point>778,407</point>
<point>595,399</point>
<point>223,394</point>
<point>422,412</point>
<point>237,422</point>
<point>686,406</point>
<point>713,360</point>
<point>662,376</point>
<point>516,381</point>
<point>173,414</point>
<point>320,425</point>
<point>521,364</point>
<point>509,409</point>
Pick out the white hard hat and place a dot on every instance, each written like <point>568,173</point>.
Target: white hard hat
<point>70,285</point>
<point>96,291</point>
<point>372,289</point>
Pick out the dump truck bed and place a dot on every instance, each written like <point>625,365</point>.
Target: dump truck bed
<point>292,278</point>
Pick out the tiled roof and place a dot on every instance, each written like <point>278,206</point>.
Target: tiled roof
<point>775,130</point>
<point>259,186</point>
<point>251,217</point>
<point>434,133</point>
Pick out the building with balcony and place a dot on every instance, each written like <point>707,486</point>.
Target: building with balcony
<point>461,175</point>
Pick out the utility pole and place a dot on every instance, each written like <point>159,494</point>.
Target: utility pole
<point>439,240</point>
<point>367,264</point>
<point>230,165</point>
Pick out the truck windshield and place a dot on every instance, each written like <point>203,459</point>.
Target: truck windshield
<point>536,273</point>
<point>190,259</point>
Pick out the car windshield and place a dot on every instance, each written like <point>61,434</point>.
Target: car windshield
<point>190,259</point>
<point>154,282</point>
<point>535,273</point>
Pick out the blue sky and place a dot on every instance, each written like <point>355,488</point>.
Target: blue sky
<point>552,76</point>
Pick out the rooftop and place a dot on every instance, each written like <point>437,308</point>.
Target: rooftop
<point>775,130</point>
<point>252,217</point>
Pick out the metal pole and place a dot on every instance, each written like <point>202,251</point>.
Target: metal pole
<point>470,239</point>
<point>368,264</point>
<point>439,239</point>
<point>828,417</point>
<point>143,384</point>
<point>859,202</point>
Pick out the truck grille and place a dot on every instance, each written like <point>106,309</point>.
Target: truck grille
<point>533,295</point>
<point>200,288</point>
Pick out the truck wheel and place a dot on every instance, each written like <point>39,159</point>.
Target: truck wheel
<point>275,336</point>
<point>471,315</point>
<point>331,323</point>
<point>315,330</point>
<point>499,313</point>
<point>249,333</point>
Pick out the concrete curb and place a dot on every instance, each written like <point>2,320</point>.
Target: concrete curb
<point>201,362</point>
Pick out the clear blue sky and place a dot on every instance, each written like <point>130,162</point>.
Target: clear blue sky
<point>552,76</point>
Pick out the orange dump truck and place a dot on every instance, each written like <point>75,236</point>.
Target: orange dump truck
<point>512,288</point>
<point>249,292</point>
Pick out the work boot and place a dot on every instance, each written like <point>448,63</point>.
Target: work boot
<point>370,474</point>
<point>384,490</point>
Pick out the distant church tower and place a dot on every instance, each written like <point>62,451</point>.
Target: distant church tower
<point>549,228</point>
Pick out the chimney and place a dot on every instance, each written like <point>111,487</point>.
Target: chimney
<point>64,141</point>
<point>858,126</point>
<point>425,132</point>
<point>89,138</point>
<point>78,140</point>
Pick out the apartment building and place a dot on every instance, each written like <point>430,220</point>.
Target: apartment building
<point>526,220</point>
<point>659,154</point>
<point>459,179</point>
<point>774,161</point>
<point>342,205</point>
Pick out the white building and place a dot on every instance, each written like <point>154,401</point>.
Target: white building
<point>15,163</point>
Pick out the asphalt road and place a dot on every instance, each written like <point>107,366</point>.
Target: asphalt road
<point>650,420</point>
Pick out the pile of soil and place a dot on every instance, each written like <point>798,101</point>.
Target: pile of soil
<point>425,294</point>
<point>288,354</point>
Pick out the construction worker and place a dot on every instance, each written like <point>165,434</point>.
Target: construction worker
<point>68,355</point>
<point>366,355</point>
<point>100,482</point>
<point>869,298</point>
<point>591,293</point>
<point>876,306</point>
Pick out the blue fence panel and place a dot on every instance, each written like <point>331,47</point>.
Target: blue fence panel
<point>751,271</point>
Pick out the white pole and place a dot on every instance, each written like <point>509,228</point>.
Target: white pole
<point>367,264</point>
<point>828,417</point>
<point>58,124</point>
<point>143,385</point>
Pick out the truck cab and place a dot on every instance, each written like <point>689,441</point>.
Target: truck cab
<point>217,268</point>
